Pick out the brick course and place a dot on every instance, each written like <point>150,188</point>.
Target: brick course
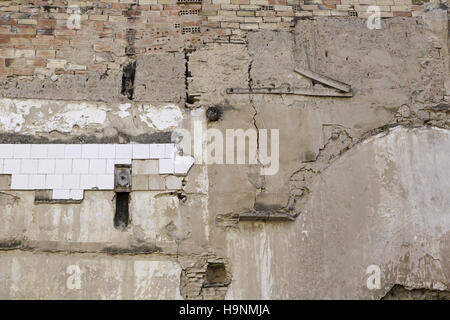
<point>117,28</point>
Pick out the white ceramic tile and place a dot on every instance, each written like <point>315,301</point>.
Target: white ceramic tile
<point>80,166</point>
<point>76,194</point>
<point>72,151</point>
<point>63,166</point>
<point>11,166</point>
<point>97,166</point>
<point>53,181</point>
<point>61,194</point>
<point>29,166</point>
<point>141,151</point>
<point>105,181</point>
<point>123,161</point>
<point>89,151</point>
<point>182,164</point>
<point>169,150</point>
<point>110,165</point>
<point>123,151</point>
<point>88,181</point>
<point>22,151</point>
<point>71,181</point>
<point>1,166</point>
<point>37,181</point>
<point>157,151</point>
<point>39,151</point>
<point>19,182</point>
<point>166,166</point>
<point>56,151</point>
<point>6,151</point>
<point>107,151</point>
<point>46,166</point>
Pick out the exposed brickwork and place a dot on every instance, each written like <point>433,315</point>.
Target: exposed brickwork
<point>35,38</point>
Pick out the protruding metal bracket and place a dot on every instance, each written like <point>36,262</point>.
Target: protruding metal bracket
<point>339,89</point>
<point>324,80</point>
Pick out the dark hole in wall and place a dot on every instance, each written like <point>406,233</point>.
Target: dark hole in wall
<point>122,215</point>
<point>128,75</point>
<point>216,274</point>
<point>214,113</point>
<point>191,99</point>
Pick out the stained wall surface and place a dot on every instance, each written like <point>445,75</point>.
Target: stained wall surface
<point>362,181</point>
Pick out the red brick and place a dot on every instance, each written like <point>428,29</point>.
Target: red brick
<point>7,22</point>
<point>46,24</point>
<point>5,30</point>
<point>283,2</point>
<point>402,14</point>
<point>37,62</point>
<point>26,30</point>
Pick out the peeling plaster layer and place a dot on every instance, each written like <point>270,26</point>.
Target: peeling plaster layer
<point>161,118</point>
<point>30,116</point>
<point>392,211</point>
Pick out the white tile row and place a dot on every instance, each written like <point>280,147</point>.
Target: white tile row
<point>62,181</point>
<point>68,170</point>
<point>87,151</point>
<point>177,165</point>
<point>60,166</point>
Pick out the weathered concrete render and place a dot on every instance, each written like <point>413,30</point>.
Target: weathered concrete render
<point>363,181</point>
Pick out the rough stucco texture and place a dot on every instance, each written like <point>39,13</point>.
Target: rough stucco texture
<point>362,180</point>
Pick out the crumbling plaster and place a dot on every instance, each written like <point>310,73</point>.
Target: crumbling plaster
<point>361,193</point>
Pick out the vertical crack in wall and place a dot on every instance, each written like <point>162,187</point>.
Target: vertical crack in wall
<point>252,103</point>
<point>190,99</point>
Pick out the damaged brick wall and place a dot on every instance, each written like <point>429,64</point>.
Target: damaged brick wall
<point>135,71</point>
<point>36,39</point>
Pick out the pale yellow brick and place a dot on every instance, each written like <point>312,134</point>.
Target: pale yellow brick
<point>24,53</point>
<point>56,63</point>
<point>321,12</point>
<point>282,8</point>
<point>27,21</point>
<point>269,26</point>
<point>249,26</point>
<point>253,19</point>
<point>98,17</point>
<point>249,7</point>
<point>117,19</point>
<point>229,7</point>
<point>260,2</point>
<point>233,25</point>
<point>245,13</point>
<point>141,2</point>
<point>73,66</point>
<point>45,53</point>
<point>227,13</point>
